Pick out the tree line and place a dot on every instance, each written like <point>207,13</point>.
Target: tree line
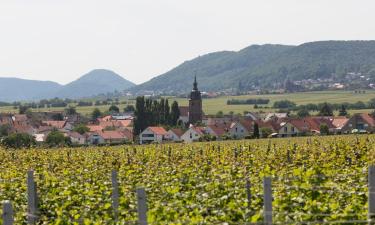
<point>250,101</point>
<point>150,112</point>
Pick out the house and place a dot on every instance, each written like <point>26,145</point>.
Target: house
<point>241,128</point>
<point>108,137</point>
<point>152,134</point>
<point>360,122</point>
<point>77,138</point>
<point>339,122</point>
<point>60,125</point>
<point>192,134</point>
<point>317,121</point>
<point>272,126</point>
<point>293,127</point>
<point>217,130</point>
<point>174,134</point>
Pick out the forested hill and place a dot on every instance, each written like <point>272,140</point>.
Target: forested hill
<point>268,66</point>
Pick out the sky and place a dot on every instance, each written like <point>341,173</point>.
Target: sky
<point>60,40</point>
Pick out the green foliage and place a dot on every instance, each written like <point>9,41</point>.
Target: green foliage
<point>57,117</point>
<point>284,104</point>
<point>175,113</point>
<point>324,130</point>
<point>70,110</point>
<point>343,111</point>
<point>81,128</point>
<point>256,131</point>
<point>325,110</point>
<point>265,131</point>
<point>129,108</point>
<point>219,114</point>
<point>96,113</point>
<point>114,109</point>
<point>18,140</point>
<point>314,179</point>
<point>303,113</point>
<point>56,138</point>
<point>267,66</point>
<point>4,130</point>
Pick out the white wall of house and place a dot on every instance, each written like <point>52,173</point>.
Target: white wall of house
<point>78,141</point>
<point>238,130</point>
<point>148,136</point>
<point>288,130</point>
<point>191,135</point>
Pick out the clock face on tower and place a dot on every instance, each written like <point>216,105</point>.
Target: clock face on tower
<point>195,104</point>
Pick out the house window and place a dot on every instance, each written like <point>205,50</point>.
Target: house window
<point>241,130</point>
<point>191,135</point>
<point>285,129</point>
<point>293,129</point>
<point>236,129</point>
<point>147,135</point>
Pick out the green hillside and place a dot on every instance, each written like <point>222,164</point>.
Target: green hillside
<point>268,66</point>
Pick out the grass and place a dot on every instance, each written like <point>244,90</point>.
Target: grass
<point>212,106</point>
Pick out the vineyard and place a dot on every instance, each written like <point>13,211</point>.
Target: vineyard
<point>315,180</point>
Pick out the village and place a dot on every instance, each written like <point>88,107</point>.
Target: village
<point>193,126</point>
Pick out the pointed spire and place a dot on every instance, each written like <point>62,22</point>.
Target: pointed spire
<point>195,83</point>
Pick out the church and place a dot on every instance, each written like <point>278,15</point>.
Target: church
<point>193,113</point>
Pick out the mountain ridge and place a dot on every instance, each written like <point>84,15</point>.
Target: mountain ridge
<point>90,84</point>
<point>266,66</point>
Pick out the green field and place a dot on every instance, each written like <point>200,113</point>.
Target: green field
<point>212,106</point>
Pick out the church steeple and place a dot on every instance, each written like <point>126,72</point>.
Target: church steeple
<point>195,104</point>
<point>195,88</point>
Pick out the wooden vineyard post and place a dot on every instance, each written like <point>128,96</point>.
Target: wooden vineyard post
<point>267,198</point>
<point>142,206</point>
<point>371,194</point>
<point>32,199</point>
<point>7,213</point>
<point>248,193</point>
<point>115,195</point>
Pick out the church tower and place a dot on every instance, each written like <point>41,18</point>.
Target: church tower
<point>195,104</point>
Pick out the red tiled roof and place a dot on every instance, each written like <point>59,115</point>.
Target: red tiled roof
<point>340,121</point>
<point>177,132</point>
<point>53,123</point>
<point>301,124</point>
<point>218,130</point>
<point>369,119</point>
<point>106,135</point>
<point>94,128</point>
<point>158,130</point>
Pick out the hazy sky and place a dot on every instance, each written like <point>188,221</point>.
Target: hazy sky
<point>61,40</point>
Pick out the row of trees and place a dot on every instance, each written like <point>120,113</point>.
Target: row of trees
<point>150,112</point>
<point>250,101</point>
<point>286,104</point>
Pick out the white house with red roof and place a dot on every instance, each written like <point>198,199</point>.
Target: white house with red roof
<point>193,134</point>
<point>241,128</point>
<point>152,134</point>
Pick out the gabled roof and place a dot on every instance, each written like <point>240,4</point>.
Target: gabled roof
<point>199,130</point>
<point>218,130</point>
<point>301,124</point>
<point>108,135</point>
<point>178,132</point>
<point>247,124</point>
<point>339,121</point>
<point>368,118</point>
<point>94,128</point>
<point>158,130</point>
